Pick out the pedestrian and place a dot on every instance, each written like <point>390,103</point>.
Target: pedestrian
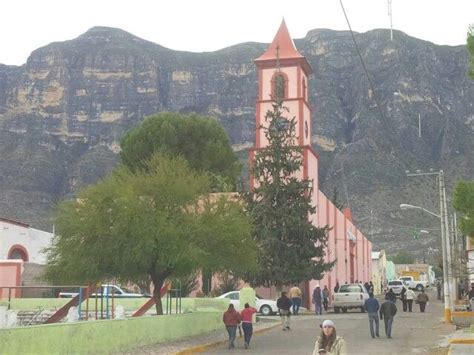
<point>390,295</point>
<point>410,298</point>
<point>403,298</point>
<point>284,304</point>
<point>328,341</point>
<point>247,317</point>
<point>438,288</point>
<point>231,319</point>
<point>371,287</point>
<point>381,287</point>
<point>372,307</point>
<point>387,313</point>
<point>422,300</point>
<point>336,288</point>
<point>470,296</point>
<point>461,289</point>
<point>325,298</point>
<point>367,286</point>
<point>317,300</point>
<point>295,296</point>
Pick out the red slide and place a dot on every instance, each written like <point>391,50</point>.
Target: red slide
<point>150,303</point>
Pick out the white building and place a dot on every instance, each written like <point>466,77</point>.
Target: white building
<point>20,241</point>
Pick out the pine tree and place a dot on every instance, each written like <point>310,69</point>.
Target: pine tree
<point>290,248</point>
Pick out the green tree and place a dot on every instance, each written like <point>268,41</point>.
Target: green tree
<point>149,225</point>
<point>402,257</point>
<point>290,248</point>
<point>463,202</point>
<point>202,141</point>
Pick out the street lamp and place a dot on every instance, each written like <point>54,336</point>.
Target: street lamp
<point>447,266</point>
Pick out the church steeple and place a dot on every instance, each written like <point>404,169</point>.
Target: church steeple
<point>282,49</point>
<point>282,46</point>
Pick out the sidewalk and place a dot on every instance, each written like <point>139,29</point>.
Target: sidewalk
<point>199,343</point>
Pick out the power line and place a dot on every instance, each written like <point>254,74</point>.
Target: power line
<point>385,122</point>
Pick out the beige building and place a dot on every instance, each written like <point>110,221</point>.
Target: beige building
<point>379,271</point>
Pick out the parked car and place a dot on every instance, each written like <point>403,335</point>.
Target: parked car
<point>350,296</point>
<point>396,285</point>
<point>410,282</point>
<point>265,307</point>
<point>108,290</point>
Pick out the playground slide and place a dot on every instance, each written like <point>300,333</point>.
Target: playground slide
<point>150,303</point>
<point>62,312</point>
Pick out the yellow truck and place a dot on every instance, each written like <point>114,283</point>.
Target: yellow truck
<point>415,274</point>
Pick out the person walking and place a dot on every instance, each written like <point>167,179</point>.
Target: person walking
<point>295,296</point>
<point>247,316</point>
<point>410,296</point>
<point>231,319</point>
<point>438,289</point>
<point>372,307</point>
<point>387,313</point>
<point>390,295</point>
<point>371,287</point>
<point>317,300</point>
<point>284,304</point>
<point>336,288</point>
<point>422,300</point>
<point>325,298</point>
<point>403,298</point>
<point>328,341</point>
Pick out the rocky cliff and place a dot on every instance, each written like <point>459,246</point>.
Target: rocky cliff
<point>63,112</point>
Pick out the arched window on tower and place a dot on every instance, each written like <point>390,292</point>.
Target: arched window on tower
<point>280,86</point>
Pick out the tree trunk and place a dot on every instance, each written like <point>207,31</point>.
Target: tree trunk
<point>157,285</point>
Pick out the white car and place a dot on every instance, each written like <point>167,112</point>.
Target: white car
<point>350,296</point>
<point>265,307</point>
<point>396,285</point>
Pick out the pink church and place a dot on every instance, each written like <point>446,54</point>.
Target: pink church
<point>346,243</point>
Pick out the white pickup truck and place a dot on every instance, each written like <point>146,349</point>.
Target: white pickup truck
<point>108,290</point>
<point>410,282</point>
<point>350,296</point>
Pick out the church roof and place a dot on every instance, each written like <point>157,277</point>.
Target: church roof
<point>282,45</point>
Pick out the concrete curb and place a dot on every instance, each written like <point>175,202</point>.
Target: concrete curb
<point>203,347</point>
<point>461,341</point>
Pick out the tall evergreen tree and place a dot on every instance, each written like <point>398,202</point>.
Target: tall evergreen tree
<point>290,248</point>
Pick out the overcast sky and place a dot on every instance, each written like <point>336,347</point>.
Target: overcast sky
<point>208,25</point>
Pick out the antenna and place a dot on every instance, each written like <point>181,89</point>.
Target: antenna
<point>390,15</point>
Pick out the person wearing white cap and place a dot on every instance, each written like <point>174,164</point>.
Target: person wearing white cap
<point>329,342</point>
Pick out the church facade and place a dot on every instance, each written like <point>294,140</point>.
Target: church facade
<point>346,243</point>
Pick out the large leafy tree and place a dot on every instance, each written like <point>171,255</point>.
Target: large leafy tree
<point>463,202</point>
<point>290,248</point>
<point>202,141</point>
<point>149,225</point>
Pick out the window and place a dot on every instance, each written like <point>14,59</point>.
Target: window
<point>18,252</point>
<point>350,288</point>
<point>234,296</point>
<point>304,90</point>
<point>279,85</point>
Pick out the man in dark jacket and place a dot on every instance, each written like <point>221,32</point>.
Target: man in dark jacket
<point>422,299</point>
<point>372,306</point>
<point>403,298</point>
<point>284,304</point>
<point>387,313</point>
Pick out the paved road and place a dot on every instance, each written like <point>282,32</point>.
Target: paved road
<point>416,332</point>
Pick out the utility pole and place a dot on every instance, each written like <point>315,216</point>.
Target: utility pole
<point>448,282</point>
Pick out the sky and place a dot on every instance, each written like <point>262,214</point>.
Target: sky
<point>209,25</point>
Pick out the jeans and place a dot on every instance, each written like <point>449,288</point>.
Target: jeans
<point>325,303</point>
<point>296,305</point>
<point>374,318</point>
<point>231,330</point>
<point>248,330</point>
<point>404,302</point>
<point>318,308</point>
<point>388,326</point>
<point>410,305</point>
<point>422,306</point>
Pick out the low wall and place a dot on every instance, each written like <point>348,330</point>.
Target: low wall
<point>105,335</point>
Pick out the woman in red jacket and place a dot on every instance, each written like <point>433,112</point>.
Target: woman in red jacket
<point>231,319</point>
<point>246,315</point>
